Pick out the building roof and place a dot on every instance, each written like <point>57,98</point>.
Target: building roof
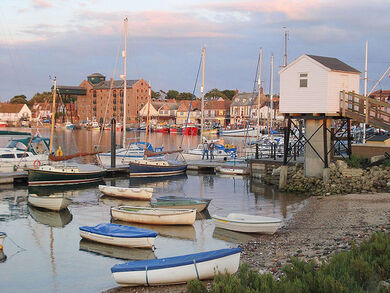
<point>218,105</point>
<point>118,84</point>
<point>244,99</point>
<point>382,93</point>
<point>10,108</point>
<point>185,105</point>
<point>334,64</point>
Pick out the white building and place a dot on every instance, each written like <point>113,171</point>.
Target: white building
<point>312,84</point>
<point>14,112</point>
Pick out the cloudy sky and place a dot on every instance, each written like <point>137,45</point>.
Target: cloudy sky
<point>71,39</point>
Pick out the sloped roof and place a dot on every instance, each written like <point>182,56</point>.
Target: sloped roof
<point>185,105</point>
<point>118,84</point>
<point>218,105</point>
<point>379,138</point>
<point>334,64</point>
<point>10,108</point>
<point>244,99</point>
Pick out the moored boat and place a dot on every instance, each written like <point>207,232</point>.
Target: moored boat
<point>147,167</point>
<point>155,216</point>
<point>52,202</point>
<point>233,170</point>
<point>183,198</point>
<point>2,237</point>
<point>181,204</point>
<point>119,235</point>
<point>251,132</point>
<point>178,269</point>
<point>247,223</point>
<point>62,175</point>
<point>130,193</point>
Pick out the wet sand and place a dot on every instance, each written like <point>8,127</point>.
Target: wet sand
<point>323,227</point>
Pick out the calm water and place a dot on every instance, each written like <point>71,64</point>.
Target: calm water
<point>53,258</point>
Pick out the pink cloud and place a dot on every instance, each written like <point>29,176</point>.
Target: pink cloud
<point>41,4</point>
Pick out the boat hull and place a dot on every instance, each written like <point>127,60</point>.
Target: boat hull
<point>179,274</point>
<point>249,226</point>
<point>178,205</point>
<point>233,171</point>
<point>129,193</point>
<point>146,170</point>
<point>140,242</point>
<point>42,177</point>
<point>177,198</point>
<point>240,132</point>
<point>48,202</point>
<point>155,216</point>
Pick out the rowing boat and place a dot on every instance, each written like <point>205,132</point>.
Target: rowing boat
<point>130,193</point>
<point>183,198</point>
<point>155,216</point>
<point>52,202</point>
<point>181,204</point>
<point>178,269</point>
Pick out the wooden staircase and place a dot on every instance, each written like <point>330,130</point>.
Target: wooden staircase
<point>365,110</point>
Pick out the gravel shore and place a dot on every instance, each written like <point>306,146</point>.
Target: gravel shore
<point>323,227</point>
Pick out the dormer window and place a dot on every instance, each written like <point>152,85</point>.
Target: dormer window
<point>303,80</point>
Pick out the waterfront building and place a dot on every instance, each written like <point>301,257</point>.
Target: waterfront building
<point>98,98</point>
<point>160,112</point>
<point>41,111</point>
<point>14,112</point>
<point>217,112</point>
<point>182,112</point>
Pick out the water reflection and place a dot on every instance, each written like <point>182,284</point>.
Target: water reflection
<point>116,202</point>
<point>203,215</point>
<point>65,190</point>
<point>181,232</point>
<point>50,218</point>
<point>232,236</point>
<point>156,182</point>
<point>116,251</point>
<point>3,257</point>
<point>13,204</point>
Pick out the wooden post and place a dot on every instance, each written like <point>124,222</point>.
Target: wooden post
<point>113,143</point>
<point>324,128</point>
<point>349,137</point>
<point>287,131</point>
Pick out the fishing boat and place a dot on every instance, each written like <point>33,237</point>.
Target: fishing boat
<point>148,167</point>
<point>191,129</point>
<point>52,202</point>
<point>155,216</point>
<point>178,269</point>
<point>247,223</point>
<point>2,237</point>
<point>183,198</point>
<point>181,204</point>
<point>3,124</point>
<point>252,132</point>
<point>116,251</point>
<point>233,170</point>
<point>130,193</point>
<point>119,235</point>
<point>62,175</point>
<point>95,125</point>
<point>69,125</point>
<point>50,218</point>
<point>161,128</point>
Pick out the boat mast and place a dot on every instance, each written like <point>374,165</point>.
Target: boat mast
<point>202,93</point>
<point>365,90</point>
<point>147,121</point>
<point>53,113</point>
<point>259,85</point>
<point>285,46</point>
<point>271,94</point>
<point>124,54</point>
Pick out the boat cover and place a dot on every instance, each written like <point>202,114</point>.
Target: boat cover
<point>3,234</point>
<point>176,261</point>
<point>115,230</point>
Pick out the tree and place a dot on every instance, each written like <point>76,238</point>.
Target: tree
<point>229,93</point>
<point>184,96</point>
<point>20,99</point>
<point>41,98</point>
<point>155,95</point>
<point>172,94</point>
<point>215,93</point>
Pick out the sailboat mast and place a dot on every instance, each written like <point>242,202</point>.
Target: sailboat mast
<point>202,93</point>
<point>285,46</point>
<point>147,120</point>
<point>53,114</point>
<point>259,85</point>
<point>271,94</point>
<point>124,54</point>
<point>365,90</point>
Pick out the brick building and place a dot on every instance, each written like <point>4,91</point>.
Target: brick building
<point>101,94</point>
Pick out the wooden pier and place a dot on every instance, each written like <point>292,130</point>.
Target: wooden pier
<point>213,166</point>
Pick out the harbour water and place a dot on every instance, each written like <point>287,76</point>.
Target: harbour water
<point>44,252</point>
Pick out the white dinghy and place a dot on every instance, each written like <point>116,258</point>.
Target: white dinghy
<point>155,216</point>
<point>178,269</point>
<point>247,223</point>
<point>130,193</point>
<point>52,202</point>
<point>119,235</point>
<point>233,171</point>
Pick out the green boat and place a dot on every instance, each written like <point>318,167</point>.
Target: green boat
<point>181,204</point>
<point>61,175</point>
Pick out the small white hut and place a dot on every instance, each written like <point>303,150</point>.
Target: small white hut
<point>312,84</point>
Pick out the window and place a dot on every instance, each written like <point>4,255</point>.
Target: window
<point>8,156</point>
<point>303,80</point>
<point>21,155</point>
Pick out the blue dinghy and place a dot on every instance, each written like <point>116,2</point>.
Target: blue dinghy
<point>178,269</point>
<point>119,235</point>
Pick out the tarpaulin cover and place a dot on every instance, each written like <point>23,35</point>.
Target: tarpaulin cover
<point>114,230</point>
<point>169,262</point>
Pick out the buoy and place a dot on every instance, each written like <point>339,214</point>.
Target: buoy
<point>59,152</point>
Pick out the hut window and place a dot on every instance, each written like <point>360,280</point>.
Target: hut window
<point>303,80</point>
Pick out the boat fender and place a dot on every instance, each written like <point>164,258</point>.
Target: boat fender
<point>37,164</point>
<point>196,269</point>
<point>146,275</point>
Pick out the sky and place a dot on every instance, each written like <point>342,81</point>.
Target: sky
<point>71,39</point>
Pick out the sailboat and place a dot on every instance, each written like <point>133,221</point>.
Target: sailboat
<point>134,150</point>
<point>148,167</point>
<point>63,174</point>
